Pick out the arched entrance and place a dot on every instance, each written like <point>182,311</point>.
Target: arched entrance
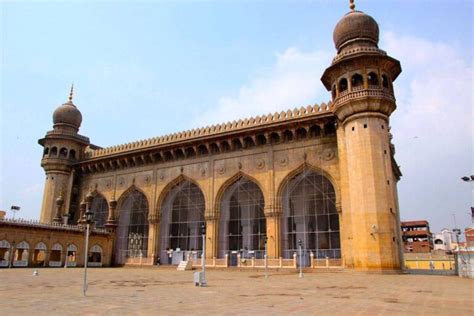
<point>55,256</point>
<point>71,255</point>
<point>100,208</point>
<point>95,256</point>
<point>310,215</point>
<point>21,254</point>
<point>242,225</point>
<point>39,255</point>
<point>132,228</point>
<point>181,220</point>
<point>5,250</point>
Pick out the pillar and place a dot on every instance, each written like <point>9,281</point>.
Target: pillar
<point>153,237</point>
<point>273,219</point>
<point>212,237</point>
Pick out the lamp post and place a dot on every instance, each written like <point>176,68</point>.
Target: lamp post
<point>88,219</point>
<point>203,256</point>
<point>265,257</point>
<point>300,244</point>
<point>468,179</point>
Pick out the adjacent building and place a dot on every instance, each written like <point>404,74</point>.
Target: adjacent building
<point>417,236</point>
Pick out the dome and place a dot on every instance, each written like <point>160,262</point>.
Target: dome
<point>355,25</point>
<point>67,114</point>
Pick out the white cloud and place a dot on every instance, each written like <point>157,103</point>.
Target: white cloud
<point>432,126</point>
<point>293,81</point>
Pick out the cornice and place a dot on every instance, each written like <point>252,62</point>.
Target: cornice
<point>214,131</point>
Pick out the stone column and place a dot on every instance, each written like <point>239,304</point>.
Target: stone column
<point>111,223</point>
<point>82,209</point>
<point>212,237</point>
<point>154,237</point>
<point>273,219</point>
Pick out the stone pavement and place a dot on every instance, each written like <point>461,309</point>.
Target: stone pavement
<point>147,291</point>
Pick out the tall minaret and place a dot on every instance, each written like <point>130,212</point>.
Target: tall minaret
<point>360,80</point>
<point>63,146</point>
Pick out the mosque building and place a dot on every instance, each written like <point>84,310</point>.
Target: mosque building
<point>320,177</point>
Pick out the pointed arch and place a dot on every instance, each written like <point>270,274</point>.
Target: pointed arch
<point>130,189</point>
<point>310,214</point>
<point>299,170</point>
<point>242,222</point>
<point>132,225</point>
<point>169,186</point>
<point>229,182</point>
<point>100,208</point>
<point>181,207</point>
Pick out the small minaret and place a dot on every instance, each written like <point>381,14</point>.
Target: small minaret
<point>63,147</point>
<point>360,80</point>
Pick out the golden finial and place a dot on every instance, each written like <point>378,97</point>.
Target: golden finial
<point>71,92</point>
<point>352,5</point>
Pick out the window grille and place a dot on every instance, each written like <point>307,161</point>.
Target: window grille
<point>310,215</point>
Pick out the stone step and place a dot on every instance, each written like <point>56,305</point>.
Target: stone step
<point>185,265</point>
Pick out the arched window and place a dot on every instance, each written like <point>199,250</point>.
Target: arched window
<point>225,146</point>
<point>181,220</point>
<point>301,133</point>
<point>261,139</point>
<point>100,208</point>
<point>214,148</point>
<point>310,215</point>
<point>55,256</point>
<point>72,154</point>
<point>385,83</point>
<point>373,79</point>
<point>132,229</point>
<point>21,254</point>
<point>287,136</point>
<point>242,225</point>
<point>5,249</point>
<point>343,85</point>
<point>45,151</point>
<point>71,255</point>
<point>95,256</point>
<point>63,153</point>
<point>248,142</point>
<point>39,255</point>
<point>315,131</point>
<point>274,138</point>
<point>357,81</point>
<point>202,150</point>
<point>236,144</point>
<point>54,152</point>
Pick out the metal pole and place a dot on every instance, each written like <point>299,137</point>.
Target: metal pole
<point>84,288</point>
<point>301,263</point>
<point>203,260</point>
<point>266,261</point>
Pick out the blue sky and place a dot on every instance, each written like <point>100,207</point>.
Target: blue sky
<point>151,68</point>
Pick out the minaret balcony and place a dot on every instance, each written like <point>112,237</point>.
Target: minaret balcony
<point>361,92</point>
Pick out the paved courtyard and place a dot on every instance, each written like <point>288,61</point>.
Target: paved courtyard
<point>147,291</point>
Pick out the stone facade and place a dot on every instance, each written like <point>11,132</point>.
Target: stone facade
<point>346,142</point>
<point>37,244</point>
